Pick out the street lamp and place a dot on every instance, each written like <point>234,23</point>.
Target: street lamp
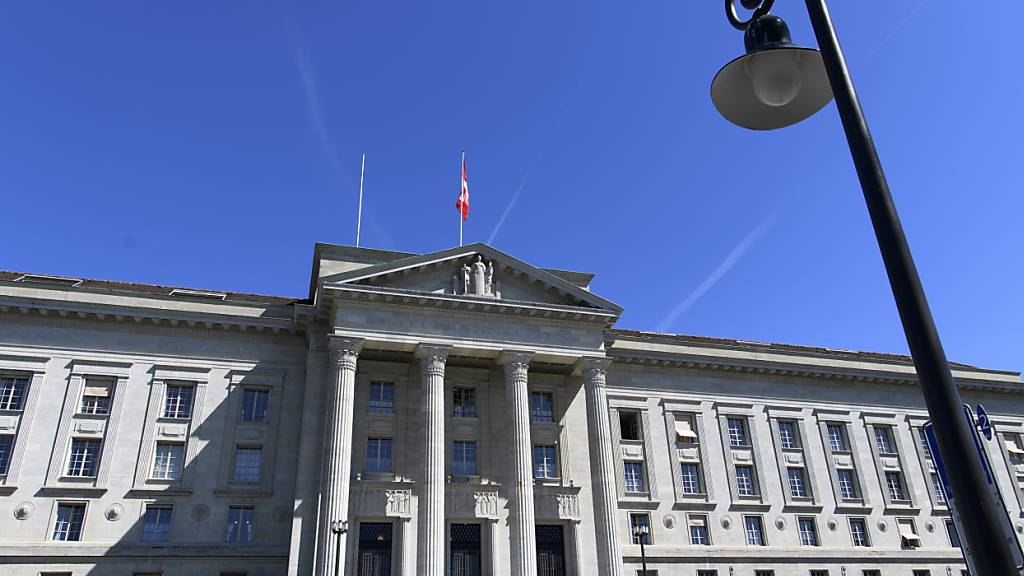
<point>338,527</point>
<point>640,533</point>
<point>776,84</point>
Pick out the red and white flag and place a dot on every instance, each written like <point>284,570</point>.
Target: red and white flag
<point>462,204</point>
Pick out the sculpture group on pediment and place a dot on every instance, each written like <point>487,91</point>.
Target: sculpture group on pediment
<point>476,279</point>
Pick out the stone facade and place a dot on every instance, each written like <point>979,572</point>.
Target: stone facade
<point>460,412</point>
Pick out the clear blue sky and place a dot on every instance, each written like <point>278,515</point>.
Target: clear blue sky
<point>211,144</point>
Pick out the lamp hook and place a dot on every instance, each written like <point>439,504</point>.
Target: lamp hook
<point>760,8</point>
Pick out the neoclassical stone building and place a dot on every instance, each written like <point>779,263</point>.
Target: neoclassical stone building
<point>456,413</point>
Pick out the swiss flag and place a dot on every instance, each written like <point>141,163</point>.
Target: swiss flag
<point>462,204</point>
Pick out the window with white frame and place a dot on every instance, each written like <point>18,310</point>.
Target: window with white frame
<point>797,482</point>
<point>896,488</point>
<point>908,533</point>
<point>690,477</point>
<point>254,404</point>
<point>837,437</point>
<point>84,458</point>
<point>12,392</point>
<point>378,455</point>
<point>634,475</point>
<point>68,526</point>
<point>847,484</point>
<point>859,532</point>
<point>464,458</point>
<point>156,523</point>
<point>789,434</point>
<point>542,407</point>
<point>754,528</point>
<point>686,432</point>
<point>640,527</point>
<point>248,462</point>
<point>167,460</point>
<point>954,537</point>
<point>937,489</point>
<point>464,403</point>
<point>240,524</point>
<point>738,437</point>
<point>808,531</point>
<point>96,397</point>
<point>883,439</point>
<point>699,534</point>
<point>545,465</point>
<point>6,449</point>
<point>922,440</point>
<point>746,483</point>
<point>178,401</point>
<point>382,398</point>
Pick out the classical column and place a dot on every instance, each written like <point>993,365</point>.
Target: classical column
<point>522,528</point>
<point>431,503</point>
<point>336,467</point>
<point>602,469</point>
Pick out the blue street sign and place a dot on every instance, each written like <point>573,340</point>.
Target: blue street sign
<point>984,424</point>
<point>933,445</point>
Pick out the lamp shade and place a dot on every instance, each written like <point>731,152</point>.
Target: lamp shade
<point>774,84</point>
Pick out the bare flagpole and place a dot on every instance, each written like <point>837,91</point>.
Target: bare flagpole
<point>359,216</point>
<point>462,175</point>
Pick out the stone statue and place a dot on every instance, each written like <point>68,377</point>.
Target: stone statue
<point>479,277</point>
<point>490,278</point>
<point>465,278</point>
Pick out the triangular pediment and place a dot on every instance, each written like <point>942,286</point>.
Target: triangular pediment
<point>476,273</point>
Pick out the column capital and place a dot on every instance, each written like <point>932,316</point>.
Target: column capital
<point>432,358</point>
<point>511,359</point>
<point>344,351</point>
<point>594,370</point>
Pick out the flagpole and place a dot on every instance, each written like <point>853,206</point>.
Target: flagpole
<point>359,216</point>
<point>462,168</point>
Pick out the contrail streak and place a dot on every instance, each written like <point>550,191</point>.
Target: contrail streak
<point>719,272</point>
<point>316,111</point>
<point>896,29</point>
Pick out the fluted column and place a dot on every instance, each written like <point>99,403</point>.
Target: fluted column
<point>336,467</point>
<point>602,469</point>
<point>522,527</point>
<point>431,503</point>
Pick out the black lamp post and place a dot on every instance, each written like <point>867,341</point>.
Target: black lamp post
<point>640,532</point>
<point>776,84</point>
<point>338,528</point>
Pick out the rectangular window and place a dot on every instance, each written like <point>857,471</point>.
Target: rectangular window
<point>707,572</point>
<point>240,524</point>
<point>883,440</point>
<point>167,461</point>
<point>629,425</point>
<point>699,531</point>
<point>686,432</point>
<point>859,533</point>
<point>894,482</point>
<point>819,572</point>
<point>797,482</point>
<point>464,403</point>
<point>872,573</point>
<point>937,489</point>
<point>837,437</point>
<point>248,461</point>
<point>382,398</point>
<point>464,458</point>
<point>634,472</point>
<point>12,392</point>
<point>745,484</point>
<point>378,455</point>
<point>464,550</point>
<point>640,528</point>
<point>922,573</point>
<point>922,438</point>
<point>690,475</point>
<point>808,531</point>
<point>908,533</point>
<point>755,530</point>
<point>738,432</point>
<point>544,465</point>
<point>542,407</point>
<point>68,527</point>
<point>847,484</point>
<point>954,537</point>
<point>789,437</point>
<point>96,398</point>
<point>6,448</point>
<point>84,459</point>
<point>178,401</point>
<point>254,405</point>
<point>156,524</point>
